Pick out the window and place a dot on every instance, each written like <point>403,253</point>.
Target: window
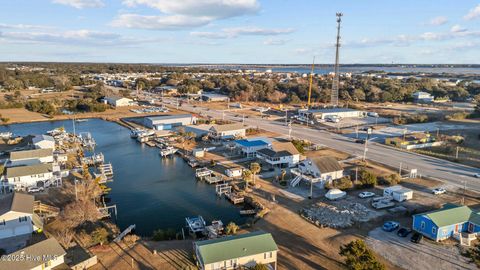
<point>3,223</point>
<point>422,225</point>
<point>434,230</point>
<point>267,255</point>
<point>22,219</point>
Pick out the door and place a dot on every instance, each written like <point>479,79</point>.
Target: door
<point>456,228</point>
<point>471,227</point>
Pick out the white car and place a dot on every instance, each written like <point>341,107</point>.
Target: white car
<point>34,189</point>
<point>477,175</point>
<point>366,194</point>
<point>438,191</point>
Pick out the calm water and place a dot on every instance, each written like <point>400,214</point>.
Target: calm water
<point>149,191</point>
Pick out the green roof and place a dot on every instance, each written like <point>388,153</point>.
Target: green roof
<point>231,247</point>
<point>451,214</point>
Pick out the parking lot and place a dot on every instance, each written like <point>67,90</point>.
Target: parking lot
<point>425,255</point>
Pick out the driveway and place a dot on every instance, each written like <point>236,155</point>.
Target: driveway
<point>426,255</point>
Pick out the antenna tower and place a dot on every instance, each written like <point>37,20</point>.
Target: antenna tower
<point>336,79</point>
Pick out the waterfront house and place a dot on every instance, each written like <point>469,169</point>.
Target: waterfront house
<point>22,177</point>
<point>236,251</point>
<point>118,101</point>
<point>44,255</point>
<point>228,131</point>
<point>449,221</point>
<point>43,142</point>
<point>31,157</point>
<point>168,122</point>
<point>249,147</point>
<point>16,220</point>
<point>422,97</point>
<point>281,154</point>
<point>325,168</point>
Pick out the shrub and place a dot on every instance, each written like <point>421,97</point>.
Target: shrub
<point>473,254</point>
<point>342,183</point>
<point>131,239</point>
<point>359,257</point>
<point>390,180</point>
<point>368,179</point>
<point>259,266</point>
<point>158,235</point>
<point>457,116</point>
<point>232,228</point>
<point>99,236</point>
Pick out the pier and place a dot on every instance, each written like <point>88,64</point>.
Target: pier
<point>213,179</point>
<point>221,189</point>
<point>106,169</point>
<point>202,172</point>
<point>234,197</point>
<point>94,160</point>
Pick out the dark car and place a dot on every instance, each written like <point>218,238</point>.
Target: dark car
<point>361,141</point>
<point>416,238</point>
<point>404,232</point>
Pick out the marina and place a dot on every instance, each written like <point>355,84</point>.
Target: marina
<point>148,190</point>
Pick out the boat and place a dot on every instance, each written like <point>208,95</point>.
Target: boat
<point>196,224</point>
<point>165,152</point>
<point>135,132</point>
<point>215,229</point>
<point>81,120</point>
<point>6,135</point>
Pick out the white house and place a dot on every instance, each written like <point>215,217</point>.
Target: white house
<point>16,211</point>
<point>322,169</point>
<point>423,97</point>
<point>233,252</point>
<point>282,154</point>
<point>31,157</point>
<point>167,122</point>
<point>234,172</point>
<point>118,101</point>
<point>212,97</point>
<point>45,255</point>
<point>322,114</point>
<point>33,175</point>
<point>43,142</point>
<point>229,131</point>
<point>249,147</point>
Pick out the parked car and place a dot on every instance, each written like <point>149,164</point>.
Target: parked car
<point>390,226</point>
<point>438,191</point>
<point>477,175</point>
<point>416,238</point>
<point>34,189</point>
<point>366,194</point>
<point>404,232</point>
<point>361,141</point>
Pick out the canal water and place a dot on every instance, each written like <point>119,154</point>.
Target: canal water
<point>149,191</point>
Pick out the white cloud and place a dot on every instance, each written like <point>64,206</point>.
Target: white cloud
<point>184,14</point>
<point>473,13</point>
<point>22,26</point>
<point>242,31</point>
<point>173,22</point>
<point>457,29</point>
<point>440,20</point>
<point>81,3</point>
<point>275,42</point>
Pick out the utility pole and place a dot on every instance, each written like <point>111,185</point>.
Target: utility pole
<point>456,153</point>
<point>464,191</point>
<point>243,119</point>
<point>365,149</point>
<point>336,79</point>
<point>400,169</point>
<point>286,117</point>
<point>310,85</point>
<point>290,130</point>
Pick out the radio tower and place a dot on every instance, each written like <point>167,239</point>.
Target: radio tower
<point>336,79</point>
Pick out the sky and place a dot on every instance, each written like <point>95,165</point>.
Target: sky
<point>240,31</point>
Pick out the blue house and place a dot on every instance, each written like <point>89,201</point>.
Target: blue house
<point>444,223</point>
<point>249,147</point>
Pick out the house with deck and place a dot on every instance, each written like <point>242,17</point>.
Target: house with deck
<point>449,221</point>
<point>249,147</point>
<point>38,175</point>
<point>324,169</point>
<point>31,157</point>
<point>233,252</point>
<point>281,154</point>
<point>16,220</point>
<point>228,131</point>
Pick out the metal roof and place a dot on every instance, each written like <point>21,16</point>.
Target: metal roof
<point>168,117</point>
<point>29,170</point>
<point>252,142</point>
<point>451,214</point>
<point>227,127</point>
<point>238,246</point>
<point>326,164</point>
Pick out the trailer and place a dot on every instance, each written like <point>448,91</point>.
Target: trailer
<point>398,193</point>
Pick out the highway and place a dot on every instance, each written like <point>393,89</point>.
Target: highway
<point>449,172</point>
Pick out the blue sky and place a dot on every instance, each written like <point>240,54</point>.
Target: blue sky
<point>239,31</point>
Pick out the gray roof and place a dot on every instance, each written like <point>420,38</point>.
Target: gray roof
<point>29,154</point>
<point>327,164</point>
<point>165,117</point>
<point>280,149</point>
<point>39,138</point>
<point>227,127</point>
<point>29,170</point>
<point>17,202</point>
<point>49,247</point>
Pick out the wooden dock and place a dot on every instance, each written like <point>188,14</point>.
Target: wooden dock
<point>213,179</point>
<point>106,169</point>
<point>234,197</point>
<point>202,172</point>
<point>221,189</point>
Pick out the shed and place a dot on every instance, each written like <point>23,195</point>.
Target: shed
<point>398,193</point>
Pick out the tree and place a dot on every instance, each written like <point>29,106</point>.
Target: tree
<point>247,177</point>
<point>231,228</point>
<point>255,168</point>
<point>99,236</point>
<point>473,254</point>
<point>359,257</point>
<point>368,179</point>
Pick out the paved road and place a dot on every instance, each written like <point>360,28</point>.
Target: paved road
<point>450,172</point>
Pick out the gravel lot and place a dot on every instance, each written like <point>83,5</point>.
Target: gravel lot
<point>426,255</point>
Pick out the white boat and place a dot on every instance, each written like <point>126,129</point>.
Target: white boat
<point>81,120</point>
<point>6,135</point>
<point>168,151</point>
